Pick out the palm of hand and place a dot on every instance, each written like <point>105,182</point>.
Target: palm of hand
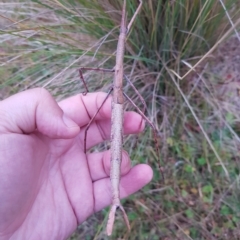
<point>39,187</point>
<point>51,185</point>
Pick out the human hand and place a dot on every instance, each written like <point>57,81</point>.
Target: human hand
<point>47,184</point>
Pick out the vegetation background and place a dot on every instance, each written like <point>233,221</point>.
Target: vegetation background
<point>196,110</point>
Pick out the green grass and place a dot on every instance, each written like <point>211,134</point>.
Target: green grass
<point>43,43</point>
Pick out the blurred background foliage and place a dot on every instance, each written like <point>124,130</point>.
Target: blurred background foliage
<point>196,111</point>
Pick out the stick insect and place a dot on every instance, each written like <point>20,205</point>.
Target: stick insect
<point>117,116</point>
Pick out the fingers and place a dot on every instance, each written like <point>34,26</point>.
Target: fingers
<point>82,108</point>
<point>99,131</point>
<point>99,164</point>
<point>134,180</point>
<point>35,109</point>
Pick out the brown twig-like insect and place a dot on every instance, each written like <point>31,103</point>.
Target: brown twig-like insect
<point>117,117</point>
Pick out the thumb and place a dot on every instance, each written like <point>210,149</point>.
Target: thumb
<point>35,109</point>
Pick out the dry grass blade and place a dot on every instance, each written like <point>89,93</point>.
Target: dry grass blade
<point>209,52</point>
<point>199,124</point>
<point>230,20</point>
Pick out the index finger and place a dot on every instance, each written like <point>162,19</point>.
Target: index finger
<point>82,108</point>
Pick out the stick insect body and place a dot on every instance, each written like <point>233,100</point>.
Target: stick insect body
<point>117,117</point>
<point>117,125</point>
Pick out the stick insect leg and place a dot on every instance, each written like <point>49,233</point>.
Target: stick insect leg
<point>111,218</point>
<point>93,69</point>
<point>92,119</point>
<point>134,16</point>
<point>138,94</point>
<point>152,126</point>
<point>142,100</point>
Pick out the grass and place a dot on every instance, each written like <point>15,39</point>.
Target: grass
<point>44,42</point>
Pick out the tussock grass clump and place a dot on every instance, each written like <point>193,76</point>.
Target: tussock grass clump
<point>43,43</point>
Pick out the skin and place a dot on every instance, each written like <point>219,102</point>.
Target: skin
<point>47,184</point>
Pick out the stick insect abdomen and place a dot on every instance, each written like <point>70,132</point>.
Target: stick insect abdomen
<point>116,149</point>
